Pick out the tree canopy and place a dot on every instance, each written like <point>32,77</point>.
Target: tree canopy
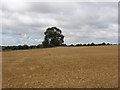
<point>53,37</point>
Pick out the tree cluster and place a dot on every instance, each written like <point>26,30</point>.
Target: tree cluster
<point>91,44</point>
<point>22,47</point>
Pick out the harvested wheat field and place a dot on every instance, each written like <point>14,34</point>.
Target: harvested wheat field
<point>61,67</point>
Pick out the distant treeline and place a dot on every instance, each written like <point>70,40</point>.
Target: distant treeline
<point>21,47</point>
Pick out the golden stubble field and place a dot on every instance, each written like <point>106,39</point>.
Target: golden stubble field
<point>61,67</point>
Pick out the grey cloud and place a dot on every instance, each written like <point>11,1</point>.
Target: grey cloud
<point>80,22</point>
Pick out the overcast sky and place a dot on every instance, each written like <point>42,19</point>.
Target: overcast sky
<point>80,22</point>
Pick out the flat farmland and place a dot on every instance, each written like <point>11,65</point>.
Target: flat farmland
<point>61,67</point>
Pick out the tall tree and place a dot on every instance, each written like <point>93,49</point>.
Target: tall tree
<point>53,37</point>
